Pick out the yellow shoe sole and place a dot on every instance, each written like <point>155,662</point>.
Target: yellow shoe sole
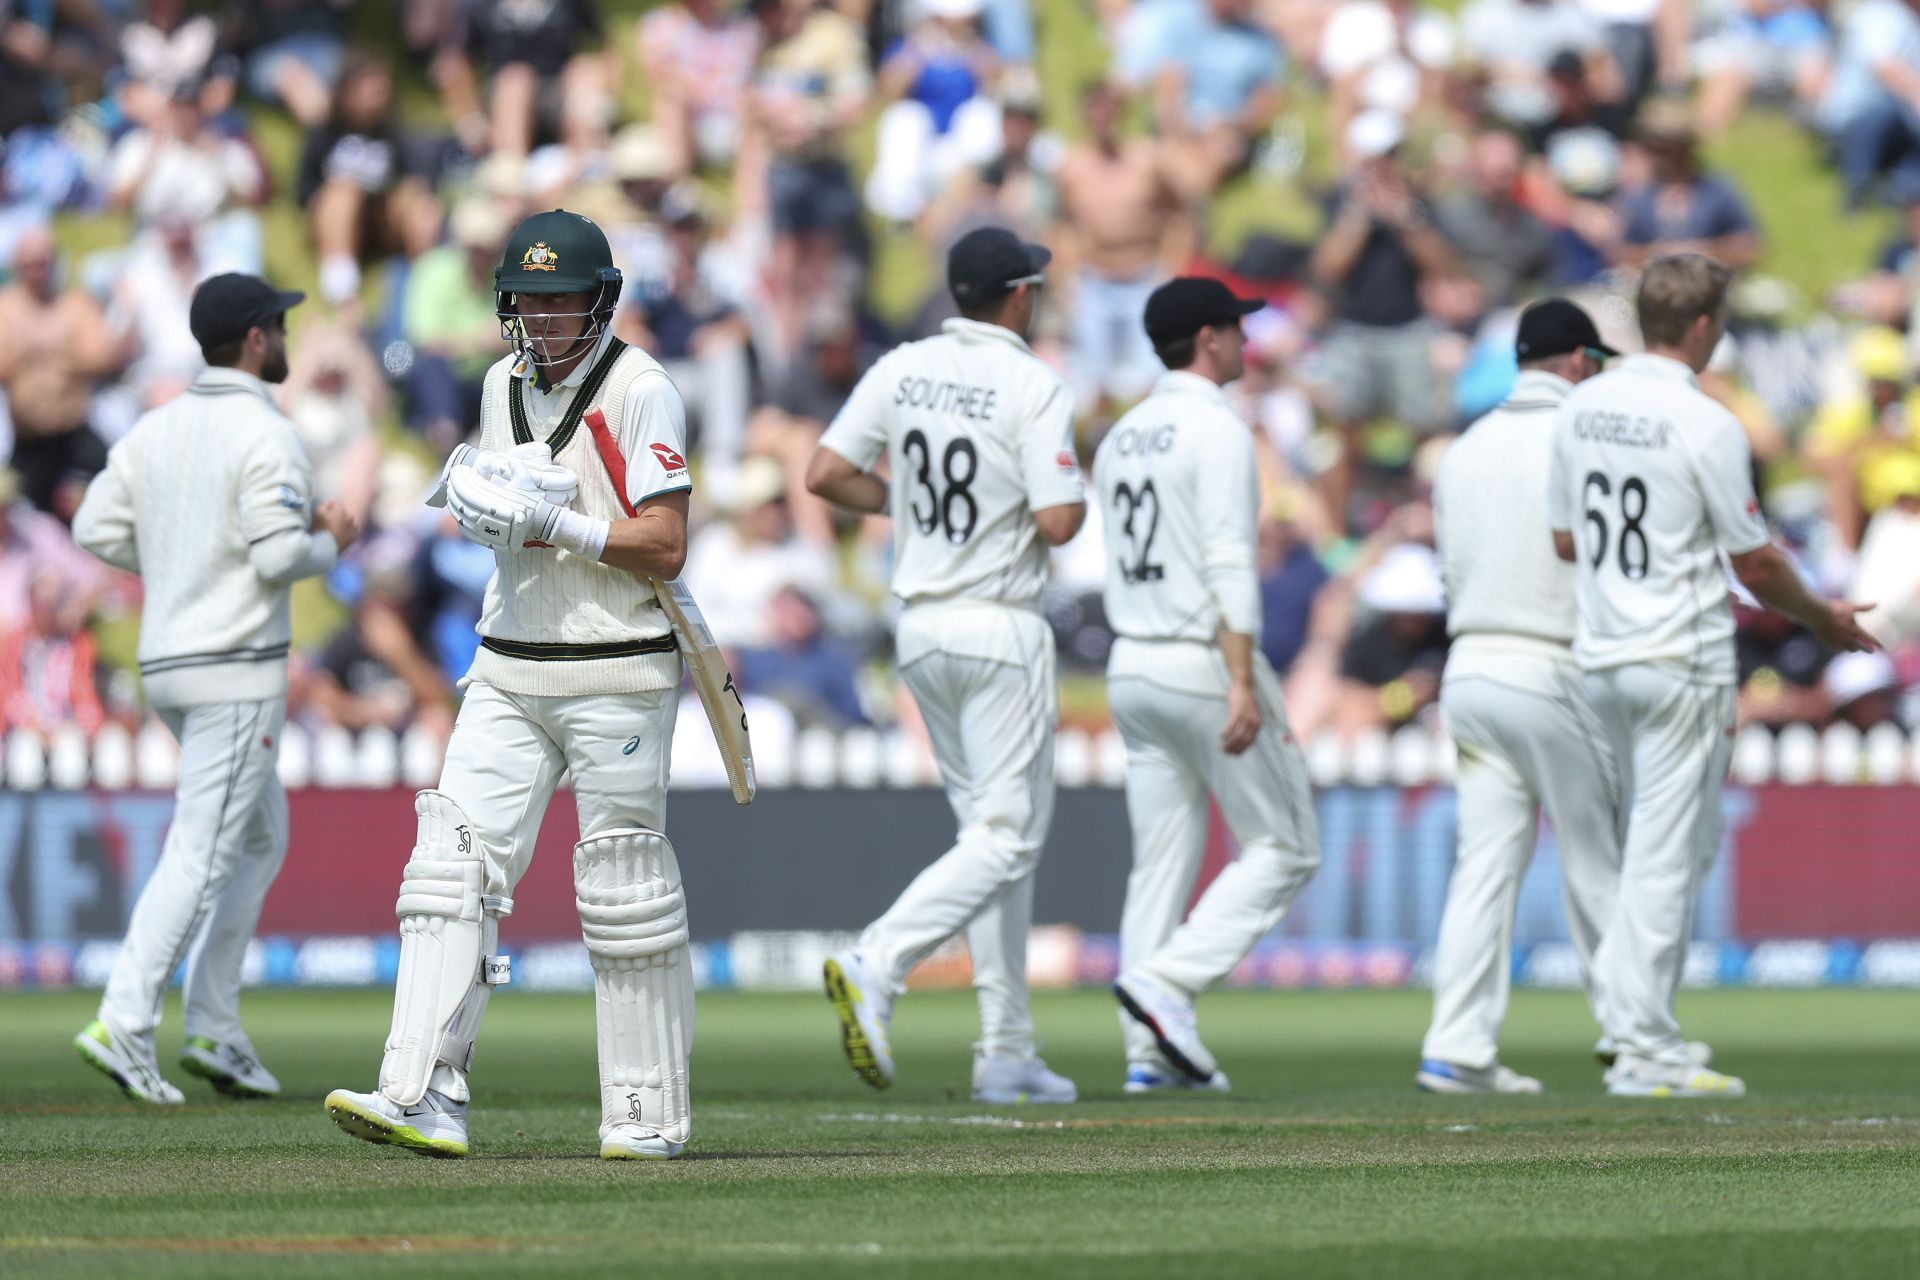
<point>860,1055</point>
<point>614,1151</point>
<point>220,1080</point>
<point>370,1126</point>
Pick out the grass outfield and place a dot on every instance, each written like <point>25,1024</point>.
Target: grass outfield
<point>1324,1161</point>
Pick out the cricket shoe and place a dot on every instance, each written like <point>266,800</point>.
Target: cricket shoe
<point>1436,1076</point>
<point>1633,1077</point>
<point>1000,1079</point>
<point>865,1007</point>
<point>230,1068</point>
<point>137,1072</point>
<point>1699,1053</point>
<point>1169,1016</point>
<point>435,1126</point>
<point>1149,1077</point>
<point>628,1141</point>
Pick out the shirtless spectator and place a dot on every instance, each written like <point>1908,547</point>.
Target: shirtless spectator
<point>1215,79</point>
<point>55,348</point>
<point>1127,234</point>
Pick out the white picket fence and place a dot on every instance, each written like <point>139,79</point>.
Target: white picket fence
<point>1798,755</point>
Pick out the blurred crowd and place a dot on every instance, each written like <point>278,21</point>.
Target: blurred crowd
<point>792,154</point>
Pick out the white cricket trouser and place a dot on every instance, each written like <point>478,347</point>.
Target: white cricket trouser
<point>1672,738</point>
<point>991,724</point>
<point>226,844</point>
<point>1174,760</point>
<point>508,751</point>
<point>1527,739</point>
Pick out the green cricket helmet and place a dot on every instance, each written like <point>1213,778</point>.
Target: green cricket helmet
<point>550,253</point>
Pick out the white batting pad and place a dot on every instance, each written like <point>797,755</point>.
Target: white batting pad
<point>634,920</point>
<point>448,925</point>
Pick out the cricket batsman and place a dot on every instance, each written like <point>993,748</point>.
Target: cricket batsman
<point>210,500</point>
<point>1194,698</point>
<point>978,436</point>
<point>580,488</point>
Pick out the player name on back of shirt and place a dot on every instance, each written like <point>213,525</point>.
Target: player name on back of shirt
<point>1635,431</point>
<point>976,404</point>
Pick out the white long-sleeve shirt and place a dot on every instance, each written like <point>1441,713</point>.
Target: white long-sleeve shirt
<point>210,500</point>
<point>1490,516</point>
<point>1179,490</point>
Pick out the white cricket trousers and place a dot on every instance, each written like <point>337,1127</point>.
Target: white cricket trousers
<point>991,723</point>
<point>1174,759</point>
<point>1673,738</point>
<point>226,844</point>
<point>1527,739</point>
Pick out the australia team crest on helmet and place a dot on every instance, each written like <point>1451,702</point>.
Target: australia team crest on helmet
<point>539,257</point>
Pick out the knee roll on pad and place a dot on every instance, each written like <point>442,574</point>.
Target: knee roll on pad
<point>449,929</point>
<point>633,918</point>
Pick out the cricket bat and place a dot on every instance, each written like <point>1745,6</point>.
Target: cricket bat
<point>706,665</point>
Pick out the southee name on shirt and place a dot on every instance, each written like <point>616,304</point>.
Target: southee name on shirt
<point>973,403</point>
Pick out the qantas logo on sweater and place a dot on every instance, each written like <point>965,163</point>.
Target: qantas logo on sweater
<point>670,461</point>
<point>1067,462</point>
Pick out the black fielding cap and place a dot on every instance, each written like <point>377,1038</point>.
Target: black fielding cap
<point>1185,305</point>
<point>988,262</point>
<point>1555,326</point>
<point>226,306</point>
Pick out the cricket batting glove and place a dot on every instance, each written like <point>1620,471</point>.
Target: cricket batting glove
<point>502,517</point>
<point>527,467</point>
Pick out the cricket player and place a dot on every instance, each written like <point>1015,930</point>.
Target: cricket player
<point>577,671</point>
<point>1192,694</point>
<point>1516,705</point>
<point>978,436</point>
<point>1651,483</point>
<point>210,500</point>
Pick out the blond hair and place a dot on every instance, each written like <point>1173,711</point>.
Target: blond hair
<point>1677,290</point>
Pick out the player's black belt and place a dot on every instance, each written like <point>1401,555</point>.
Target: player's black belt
<point>576,652</point>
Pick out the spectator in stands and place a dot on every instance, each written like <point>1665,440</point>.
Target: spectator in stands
<point>1864,440</point>
<point>1576,107</point>
<point>449,319</point>
<point>735,566</point>
<point>450,576</point>
<point>1649,43</point>
<point>940,119</point>
<point>335,392</point>
<point>1863,690</point>
<point>697,331</point>
<point>1870,106</point>
<point>1888,566</point>
<point>354,184</point>
<point>810,672</point>
<point>1497,238</point>
<point>1383,54</point>
<point>1391,663</point>
<point>699,56</point>
<point>294,50</point>
<point>48,669</point>
<point>1291,578</point>
<point>155,292</point>
<point>540,64</point>
<point>1683,209</point>
<point>1124,230</point>
<point>812,86</point>
<point>1778,47</point>
<point>1513,43</point>
<point>166,52</point>
<point>1888,293</point>
<point>56,349</point>
<point>33,544</point>
<point>1379,248</point>
<point>28,93</point>
<point>1779,668</point>
<point>374,671</point>
<point>1215,82</point>
<point>181,169</point>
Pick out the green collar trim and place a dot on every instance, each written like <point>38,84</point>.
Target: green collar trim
<point>583,396</point>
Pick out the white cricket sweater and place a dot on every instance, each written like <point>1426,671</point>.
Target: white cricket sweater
<point>210,500</point>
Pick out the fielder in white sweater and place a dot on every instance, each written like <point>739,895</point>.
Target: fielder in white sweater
<point>210,500</point>
<point>1516,705</point>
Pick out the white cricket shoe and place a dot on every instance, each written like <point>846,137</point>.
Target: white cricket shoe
<point>1436,1076</point>
<point>630,1141</point>
<point>1155,1077</point>
<point>1699,1053</point>
<point>1634,1077</point>
<point>435,1126</point>
<point>1000,1079</point>
<point>865,1006</point>
<point>134,1069</point>
<point>1169,1016</point>
<point>230,1068</point>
